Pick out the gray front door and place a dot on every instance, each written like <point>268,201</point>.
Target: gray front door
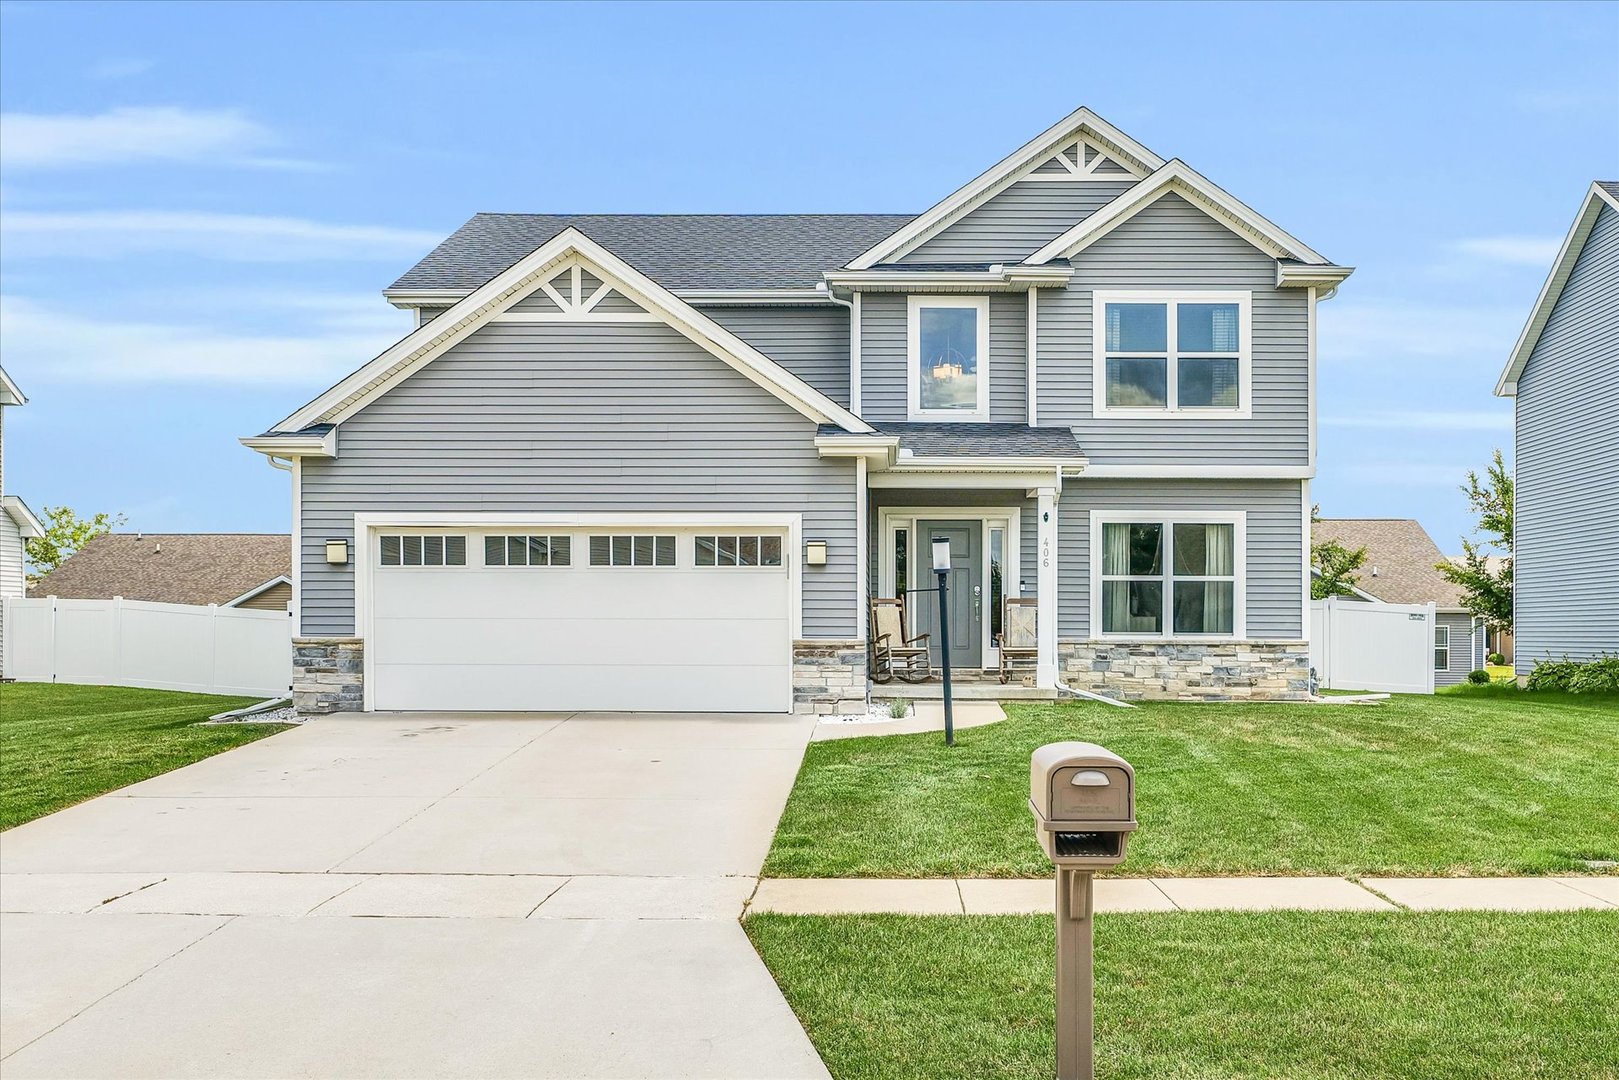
<point>966,588</point>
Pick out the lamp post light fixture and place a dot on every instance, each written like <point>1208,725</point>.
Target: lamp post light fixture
<point>337,551</point>
<point>941,566</point>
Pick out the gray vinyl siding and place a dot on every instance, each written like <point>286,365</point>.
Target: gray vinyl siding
<point>576,418</point>
<point>425,315</point>
<point>1172,245</point>
<point>810,342</point>
<point>13,579</point>
<point>1566,543</point>
<point>883,356</point>
<point>1461,648</point>
<point>1019,221</point>
<point>1275,543</point>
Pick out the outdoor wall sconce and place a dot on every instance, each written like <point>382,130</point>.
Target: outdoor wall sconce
<point>815,553</point>
<point>337,552</point>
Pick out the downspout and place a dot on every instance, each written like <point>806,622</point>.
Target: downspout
<point>1064,687</point>
<point>854,336</point>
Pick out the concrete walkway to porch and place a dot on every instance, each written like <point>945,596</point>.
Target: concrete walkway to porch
<point>984,896</point>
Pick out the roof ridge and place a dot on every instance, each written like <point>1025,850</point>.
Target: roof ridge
<point>696,214</point>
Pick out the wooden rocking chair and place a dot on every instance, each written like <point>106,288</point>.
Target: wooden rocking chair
<point>892,653</point>
<point>1020,642</point>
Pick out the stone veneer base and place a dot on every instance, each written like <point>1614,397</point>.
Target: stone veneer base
<point>829,677</point>
<point>328,674</point>
<point>1166,671</point>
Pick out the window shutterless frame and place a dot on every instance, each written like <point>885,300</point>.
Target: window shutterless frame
<point>1171,356</point>
<point>1441,648</point>
<point>914,306</point>
<point>1238,520</point>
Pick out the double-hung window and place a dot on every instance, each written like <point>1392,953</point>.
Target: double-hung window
<point>1441,648</point>
<point>1183,354</point>
<point>1167,576</point>
<point>947,358</point>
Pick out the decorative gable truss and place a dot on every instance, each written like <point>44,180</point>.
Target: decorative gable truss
<point>1078,161</point>
<point>570,278</point>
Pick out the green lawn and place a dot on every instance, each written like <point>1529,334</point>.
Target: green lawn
<point>62,744</point>
<point>1213,996</point>
<point>1496,781</point>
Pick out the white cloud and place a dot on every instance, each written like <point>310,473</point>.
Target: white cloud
<point>1514,250</point>
<point>332,340</point>
<point>236,237</point>
<point>1397,333</point>
<point>1416,420</point>
<point>134,134</point>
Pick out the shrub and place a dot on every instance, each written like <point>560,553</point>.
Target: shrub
<point>1495,659</point>
<point>1600,676</point>
<point>1479,677</point>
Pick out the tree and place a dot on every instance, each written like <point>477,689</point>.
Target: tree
<point>1335,569</point>
<point>1486,592</point>
<point>65,533</point>
<point>1335,565</point>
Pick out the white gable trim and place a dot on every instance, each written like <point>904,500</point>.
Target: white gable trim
<point>1181,179</point>
<point>27,524</point>
<point>1568,256</point>
<point>431,340</point>
<point>283,579</point>
<point>9,394</point>
<point>1081,123</point>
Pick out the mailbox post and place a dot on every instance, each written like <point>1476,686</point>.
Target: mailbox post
<point>1083,800</point>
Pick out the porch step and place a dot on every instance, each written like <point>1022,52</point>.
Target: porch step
<point>968,691</point>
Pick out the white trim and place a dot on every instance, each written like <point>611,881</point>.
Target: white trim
<point>280,579</point>
<point>1291,275</point>
<point>1033,343</point>
<point>1004,173</point>
<point>297,546</point>
<point>367,523</point>
<point>590,317</point>
<point>29,526</point>
<point>420,298</point>
<point>936,479</point>
<point>294,445</point>
<point>855,334</point>
<point>1304,516</point>
<point>1568,256</point>
<point>1437,627</point>
<point>1182,179</point>
<point>1238,519</point>
<point>1047,549</point>
<point>1309,388</point>
<point>913,345</point>
<point>861,585</point>
<point>426,343</point>
<point>1244,301</point>
<point>890,519</point>
<point>1203,472</point>
<point>10,394</point>
<point>1010,277</point>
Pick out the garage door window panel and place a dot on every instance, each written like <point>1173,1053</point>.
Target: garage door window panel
<point>418,550</point>
<point>527,550</point>
<point>632,550</point>
<point>757,551</point>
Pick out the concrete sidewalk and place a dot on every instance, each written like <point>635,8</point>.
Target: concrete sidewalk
<point>985,896</point>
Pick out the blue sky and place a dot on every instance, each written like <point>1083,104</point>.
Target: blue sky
<point>200,203</point>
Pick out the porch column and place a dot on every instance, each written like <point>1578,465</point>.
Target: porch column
<point>1046,584</point>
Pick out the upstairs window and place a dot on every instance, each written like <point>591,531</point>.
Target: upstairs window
<point>947,372</point>
<point>1158,354</point>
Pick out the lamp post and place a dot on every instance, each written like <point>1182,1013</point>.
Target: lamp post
<point>941,566</point>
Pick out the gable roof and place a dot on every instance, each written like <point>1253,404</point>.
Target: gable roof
<point>1401,560</point>
<point>1178,177</point>
<point>9,394</point>
<point>1081,123</point>
<point>170,568</point>
<point>1602,194</point>
<point>678,251</point>
<point>427,342</point>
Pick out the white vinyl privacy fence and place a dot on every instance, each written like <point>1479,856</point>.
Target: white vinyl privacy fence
<point>1357,645</point>
<point>159,646</point>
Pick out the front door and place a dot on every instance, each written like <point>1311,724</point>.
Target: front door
<point>966,591</point>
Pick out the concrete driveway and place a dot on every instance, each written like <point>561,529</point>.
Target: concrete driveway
<point>411,895</point>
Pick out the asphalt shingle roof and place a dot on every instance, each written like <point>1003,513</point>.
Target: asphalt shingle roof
<point>169,568</point>
<point>678,251</point>
<point>975,440</point>
<point>1401,553</point>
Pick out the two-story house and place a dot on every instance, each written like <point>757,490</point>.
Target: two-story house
<point>1563,377</point>
<point>662,461</point>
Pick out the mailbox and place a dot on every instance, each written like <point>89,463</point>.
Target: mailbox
<point>1084,801</point>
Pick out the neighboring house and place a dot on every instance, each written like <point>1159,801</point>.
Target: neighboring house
<point>661,461</point>
<point>1497,639</point>
<point>1564,377</point>
<point>1402,568</point>
<point>247,570</point>
<point>17,522</point>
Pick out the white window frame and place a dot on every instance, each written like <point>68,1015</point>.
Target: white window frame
<point>1238,520</point>
<point>891,520</point>
<point>1441,628</point>
<point>1245,338</point>
<point>913,348</point>
<point>423,534</point>
<point>747,568</point>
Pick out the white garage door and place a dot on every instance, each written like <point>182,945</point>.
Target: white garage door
<point>667,620</point>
